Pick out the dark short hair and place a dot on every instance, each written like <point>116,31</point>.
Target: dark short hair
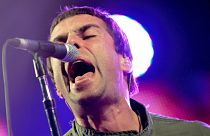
<point>121,42</point>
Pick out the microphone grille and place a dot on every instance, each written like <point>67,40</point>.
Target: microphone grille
<point>72,53</point>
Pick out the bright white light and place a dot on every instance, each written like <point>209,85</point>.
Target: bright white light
<point>140,43</point>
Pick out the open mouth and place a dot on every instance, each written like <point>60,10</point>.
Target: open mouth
<point>79,68</point>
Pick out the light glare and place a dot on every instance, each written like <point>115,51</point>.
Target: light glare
<point>140,43</point>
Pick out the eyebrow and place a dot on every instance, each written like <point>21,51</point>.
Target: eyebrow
<point>86,27</point>
<point>79,30</point>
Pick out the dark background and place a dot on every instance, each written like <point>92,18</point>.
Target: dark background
<point>177,84</point>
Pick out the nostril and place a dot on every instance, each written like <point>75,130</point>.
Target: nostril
<point>76,45</point>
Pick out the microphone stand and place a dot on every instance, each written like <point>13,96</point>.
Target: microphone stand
<point>48,102</point>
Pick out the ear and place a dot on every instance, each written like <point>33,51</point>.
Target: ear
<point>125,64</point>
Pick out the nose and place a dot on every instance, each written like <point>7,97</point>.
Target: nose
<point>74,40</point>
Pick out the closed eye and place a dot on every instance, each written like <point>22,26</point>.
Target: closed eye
<point>88,37</point>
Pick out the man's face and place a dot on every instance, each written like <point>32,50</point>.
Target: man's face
<point>97,72</point>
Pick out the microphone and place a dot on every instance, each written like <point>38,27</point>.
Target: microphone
<point>66,52</point>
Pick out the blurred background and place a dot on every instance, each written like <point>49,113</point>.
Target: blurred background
<point>177,84</point>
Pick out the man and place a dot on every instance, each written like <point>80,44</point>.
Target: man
<point>97,86</point>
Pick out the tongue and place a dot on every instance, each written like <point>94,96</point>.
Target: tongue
<point>83,77</point>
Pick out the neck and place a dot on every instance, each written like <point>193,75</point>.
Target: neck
<point>112,117</point>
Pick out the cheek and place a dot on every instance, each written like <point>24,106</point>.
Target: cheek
<point>106,57</point>
<point>105,48</point>
<point>108,60</point>
<point>59,79</point>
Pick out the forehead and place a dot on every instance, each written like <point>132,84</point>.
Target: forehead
<point>72,24</point>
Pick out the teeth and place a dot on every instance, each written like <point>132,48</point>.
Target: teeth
<point>79,68</point>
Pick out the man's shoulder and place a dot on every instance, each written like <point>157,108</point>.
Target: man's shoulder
<point>174,126</point>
